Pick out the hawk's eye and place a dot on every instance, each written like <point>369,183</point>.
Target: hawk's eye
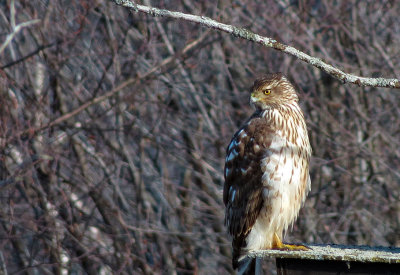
<point>267,91</point>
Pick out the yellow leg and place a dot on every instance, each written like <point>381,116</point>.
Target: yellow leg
<point>279,245</point>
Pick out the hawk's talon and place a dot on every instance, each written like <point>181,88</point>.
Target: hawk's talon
<point>279,245</point>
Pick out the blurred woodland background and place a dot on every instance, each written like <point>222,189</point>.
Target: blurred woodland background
<point>128,177</point>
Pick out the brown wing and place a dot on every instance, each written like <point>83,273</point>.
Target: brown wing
<point>243,175</point>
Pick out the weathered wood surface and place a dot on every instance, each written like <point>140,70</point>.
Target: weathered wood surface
<point>338,253</point>
<point>335,259</point>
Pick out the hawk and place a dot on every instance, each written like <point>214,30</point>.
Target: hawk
<point>266,171</point>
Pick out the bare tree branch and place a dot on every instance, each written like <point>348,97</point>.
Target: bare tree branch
<point>266,41</point>
<point>15,28</point>
<point>29,55</point>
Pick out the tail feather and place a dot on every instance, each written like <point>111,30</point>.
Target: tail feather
<point>246,266</point>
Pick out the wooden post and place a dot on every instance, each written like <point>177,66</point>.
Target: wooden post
<point>335,259</point>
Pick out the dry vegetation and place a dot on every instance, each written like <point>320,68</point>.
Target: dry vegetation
<point>113,127</point>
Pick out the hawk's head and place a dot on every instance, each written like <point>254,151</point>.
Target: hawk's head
<point>272,91</point>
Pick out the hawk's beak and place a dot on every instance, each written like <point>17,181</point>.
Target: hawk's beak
<point>253,99</point>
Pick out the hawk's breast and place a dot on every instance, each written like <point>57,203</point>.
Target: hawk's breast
<point>266,177</point>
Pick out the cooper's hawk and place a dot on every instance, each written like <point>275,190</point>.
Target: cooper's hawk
<point>266,170</point>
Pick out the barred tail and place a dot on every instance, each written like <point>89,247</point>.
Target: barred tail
<point>244,264</point>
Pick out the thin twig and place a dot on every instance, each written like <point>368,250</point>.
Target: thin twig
<point>29,55</point>
<point>265,41</point>
<point>15,28</point>
<point>186,77</point>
